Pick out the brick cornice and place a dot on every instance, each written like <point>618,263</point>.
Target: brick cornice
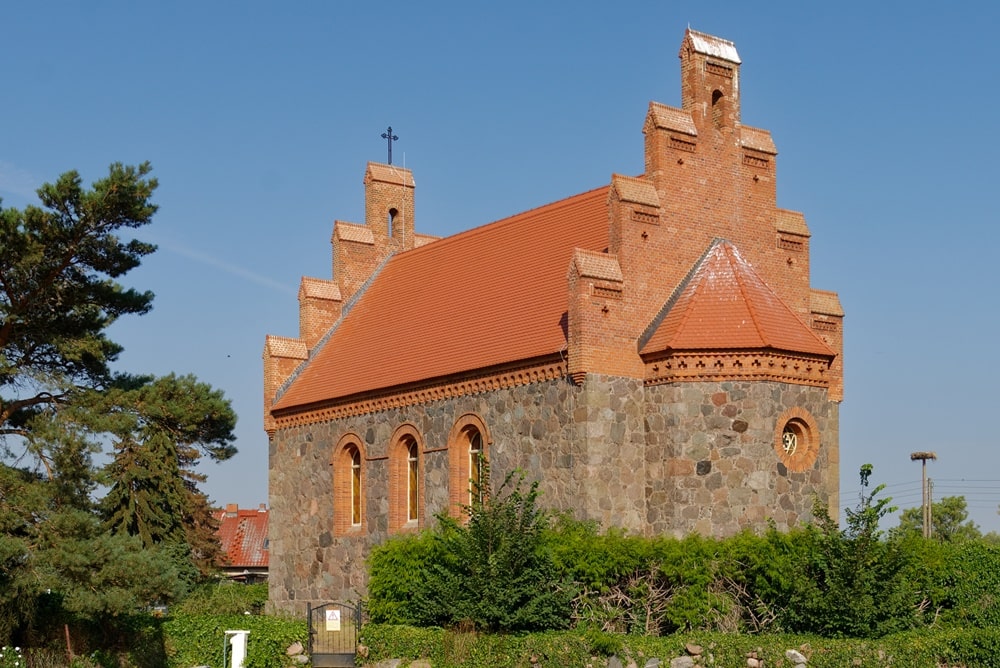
<point>444,388</point>
<point>738,365</point>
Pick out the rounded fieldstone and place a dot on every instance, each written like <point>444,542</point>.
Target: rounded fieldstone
<point>795,656</point>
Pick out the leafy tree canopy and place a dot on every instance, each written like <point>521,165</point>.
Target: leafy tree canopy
<point>950,521</point>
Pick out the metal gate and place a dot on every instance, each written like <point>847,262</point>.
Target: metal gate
<point>333,634</point>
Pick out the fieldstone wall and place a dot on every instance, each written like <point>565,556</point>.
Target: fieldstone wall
<point>664,459</point>
<point>712,463</point>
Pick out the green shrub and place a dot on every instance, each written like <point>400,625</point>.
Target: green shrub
<point>817,579</point>
<point>398,569</point>
<point>196,640</point>
<point>602,642</point>
<point>970,585</point>
<point>970,648</point>
<point>224,598</point>
<point>494,571</point>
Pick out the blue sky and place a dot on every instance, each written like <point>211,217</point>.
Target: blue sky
<point>259,118</point>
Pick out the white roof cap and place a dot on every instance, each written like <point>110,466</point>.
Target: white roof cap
<point>714,46</point>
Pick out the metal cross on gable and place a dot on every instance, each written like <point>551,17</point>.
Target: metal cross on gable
<point>388,136</point>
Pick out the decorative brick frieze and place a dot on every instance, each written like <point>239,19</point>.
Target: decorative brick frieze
<point>718,68</point>
<point>488,382</point>
<point>787,243</point>
<point>723,366</point>
<point>648,217</point>
<point>756,161</point>
<point>607,292</point>
<point>683,144</point>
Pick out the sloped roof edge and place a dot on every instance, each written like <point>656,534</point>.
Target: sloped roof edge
<point>348,305</point>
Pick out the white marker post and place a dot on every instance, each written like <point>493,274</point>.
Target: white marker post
<point>239,645</point>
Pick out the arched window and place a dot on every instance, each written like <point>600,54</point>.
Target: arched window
<point>355,487</point>
<point>476,463</point>
<point>718,108</point>
<point>406,492</point>
<point>348,486</point>
<point>393,212</point>
<point>468,457</point>
<point>412,481</point>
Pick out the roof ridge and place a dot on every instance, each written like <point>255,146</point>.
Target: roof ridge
<point>752,305</point>
<point>699,287</point>
<point>734,262</point>
<point>480,229</point>
<point>657,320</point>
<point>736,265</point>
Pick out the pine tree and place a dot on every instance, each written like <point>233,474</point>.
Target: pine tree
<point>60,266</point>
<point>58,294</point>
<point>148,496</point>
<point>162,428</point>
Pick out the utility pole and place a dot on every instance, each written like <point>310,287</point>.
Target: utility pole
<point>930,506</point>
<point>925,488</point>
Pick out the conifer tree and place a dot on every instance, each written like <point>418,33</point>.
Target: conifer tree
<point>58,289</point>
<point>60,266</point>
<point>162,428</point>
<point>148,496</point>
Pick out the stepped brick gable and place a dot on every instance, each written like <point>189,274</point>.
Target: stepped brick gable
<point>651,351</point>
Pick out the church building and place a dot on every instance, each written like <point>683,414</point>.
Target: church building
<point>651,351</point>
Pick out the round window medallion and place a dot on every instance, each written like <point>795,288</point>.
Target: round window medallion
<point>796,439</point>
<point>789,440</point>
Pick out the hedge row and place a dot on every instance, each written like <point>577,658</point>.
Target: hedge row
<point>970,648</point>
<point>814,580</point>
<point>198,640</point>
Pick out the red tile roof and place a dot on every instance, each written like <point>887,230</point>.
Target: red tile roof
<point>725,305</point>
<point>243,534</point>
<point>488,296</point>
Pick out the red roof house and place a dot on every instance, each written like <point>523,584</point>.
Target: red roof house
<point>243,534</point>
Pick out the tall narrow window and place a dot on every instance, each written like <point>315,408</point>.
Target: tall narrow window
<point>476,482</point>
<point>349,478</point>
<point>355,487</point>
<point>405,479</point>
<point>468,463</point>
<point>718,108</point>
<point>412,482</point>
<point>392,221</point>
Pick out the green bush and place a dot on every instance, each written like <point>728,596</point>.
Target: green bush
<point>969,579</point>
<point>815,580</point>
<point>199,640</point>
<point>970,648</point>
<point>494,571</point>
<point>397,570</point>
<point>224,598</point>
<point>818,579</point>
